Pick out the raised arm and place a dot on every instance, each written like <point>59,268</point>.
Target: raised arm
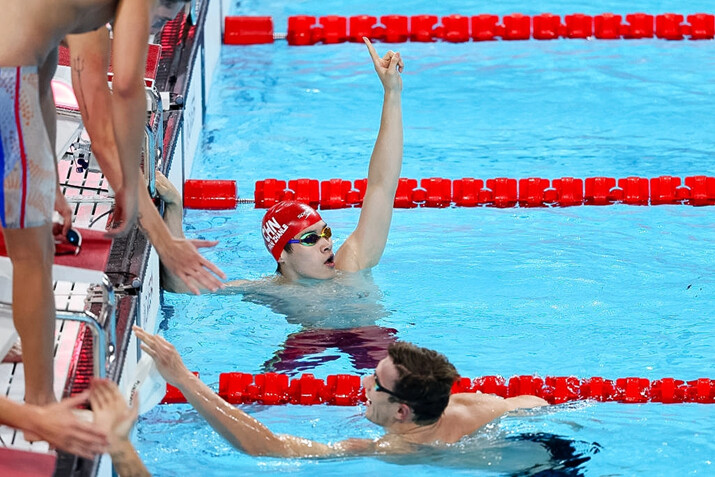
<point>241,430</point>
<point>90,61</point>
<point>364,247</point>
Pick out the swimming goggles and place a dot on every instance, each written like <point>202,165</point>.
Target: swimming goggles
<point>311,238</point>
<point>381,389</point>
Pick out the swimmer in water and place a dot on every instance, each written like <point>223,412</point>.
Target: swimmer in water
<point>298,237</point>
<point>408,394</point>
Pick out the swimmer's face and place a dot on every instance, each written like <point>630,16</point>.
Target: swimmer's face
<point>379,409</point>
<point>162,13</point>
<point>314,261</point>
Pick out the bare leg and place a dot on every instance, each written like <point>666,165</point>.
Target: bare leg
<point>33,307</point>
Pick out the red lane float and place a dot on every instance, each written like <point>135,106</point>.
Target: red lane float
<point>248,30</point>
<point>498,192</point>
<point>210,194</point>
<point>346,390</point>
<point>307,30</point>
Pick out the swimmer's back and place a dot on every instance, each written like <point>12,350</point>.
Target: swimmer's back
<point>33,28</point>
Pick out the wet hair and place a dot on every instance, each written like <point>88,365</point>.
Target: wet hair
<point>425,380</point>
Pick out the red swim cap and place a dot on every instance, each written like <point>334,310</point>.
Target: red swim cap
<point>283,221</point>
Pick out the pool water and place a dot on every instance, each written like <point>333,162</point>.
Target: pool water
<point>611,291</point>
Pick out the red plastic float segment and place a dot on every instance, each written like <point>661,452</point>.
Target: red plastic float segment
<point>531,191</point>
<point>547,26</point>
<point>306,390</point>
<point>237,388</point>
<point>272,388</point>
<point>491,385</point>
<point>701,391</point>
<point>243,30</point>
<point>503,192</point>
<point>701,26</point>
<point>422,28</point>
<point>667,390</point>
<point>485,27</point>
<point>516,27</point>
<point>396,28</point>
<point>306,191</point>
<point>607,26</point>
<point>668,26</point>
<point>343,389</point>
<point>463,385</point>
<point>334,194</point>
<point>438,192</point>
<point>702,190</point>
<point>465,192</point>
<point>640,25</point>
<point>663,190</point>
<point>597,388</point>
<point>519,385</point>
<point>456,28</point>
<point>209,194</point>
<point>300,30</point>
<point>333,29</point>
<point>598,190</point>
<point>632,390</point>
<point>268,193</point>
<point>404,193</point>
<point>569,191</point>
<point>579,25</point>
<point>635,190</point>
<point>360,26</point>
<point>561,389</point>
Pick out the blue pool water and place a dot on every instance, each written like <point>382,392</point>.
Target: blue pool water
<point>587,291</point>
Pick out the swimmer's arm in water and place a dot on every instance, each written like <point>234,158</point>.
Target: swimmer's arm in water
<point>364,247</point>
<point>477,409</point>
<point>241,430</point>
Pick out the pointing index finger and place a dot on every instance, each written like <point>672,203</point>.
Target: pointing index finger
<point>371,49</point>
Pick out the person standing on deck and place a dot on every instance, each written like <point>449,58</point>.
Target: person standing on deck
<point>32,31</point>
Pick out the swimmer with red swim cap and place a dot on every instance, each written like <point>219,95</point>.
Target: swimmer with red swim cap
<point>298,237</point>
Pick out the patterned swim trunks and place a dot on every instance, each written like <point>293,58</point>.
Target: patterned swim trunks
<point>29,176</point>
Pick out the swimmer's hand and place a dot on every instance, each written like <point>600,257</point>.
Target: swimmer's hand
<point>124,217</point>
<point>167,359</point>
<point>388,67</point>
<point>112,415</point>
<point>182,258</point>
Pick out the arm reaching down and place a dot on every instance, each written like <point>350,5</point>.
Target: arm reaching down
<point>90,61</point>
<point>364,247</point>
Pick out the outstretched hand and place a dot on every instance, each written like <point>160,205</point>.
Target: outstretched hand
<point>388,67</point>
<point>167,359</point>
<point>184,260</point>
<point>112,415</point>
<point>58,425</point>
